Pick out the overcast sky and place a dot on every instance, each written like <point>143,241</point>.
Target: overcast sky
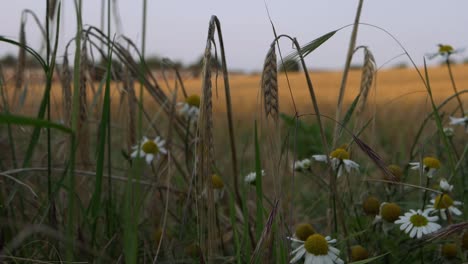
<point>177,29</point>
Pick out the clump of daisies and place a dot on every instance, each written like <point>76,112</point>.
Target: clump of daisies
<point>316,249</point>
<point>339,159</point>
<point>430,165</point>
<point>149,149</point>
<point>190,108</point>
<point>418,223</point>
<point>252,177</point>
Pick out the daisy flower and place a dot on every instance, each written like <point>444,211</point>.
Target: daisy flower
<point>303,231</point>
<point>444,204</point>
<point>445,186</point>
<point>190,108</point>
<point>218,186</point>
<point>418,223</point>
<point>149,149</point>
<point>463,121</point>
<point>302,165</point>
<point>430,166</point>
<point>316,249</point>
<point>339,158</point>
<point>251,177</point>
<point>449,132</point>
<point>444,51</point>
<point>388,214</point>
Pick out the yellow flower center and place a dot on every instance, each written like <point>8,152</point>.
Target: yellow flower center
<point>340,153</point>
<point>303,231</point>
<point>443,201</point>
<point>216,181</point>
<point>445,48</point>
<point>371,205</point>
<point>390,212</point>
<point>464,242</point>
<point>193,100</point>
<point>449,250</point>
<point>431,163</point>
<point>316,244</point>
<point>418,220</point>
<point>396,171</point>
<point>150,147</point>
<point>359,253</point>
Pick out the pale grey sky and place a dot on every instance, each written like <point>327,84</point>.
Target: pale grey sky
<point>177,29</point>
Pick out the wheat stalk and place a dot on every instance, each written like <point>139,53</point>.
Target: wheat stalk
<point>65,79</point>
<point>205,152</point>
<point>367,77</point>
<point>270,84</point>
<point>83,129</point>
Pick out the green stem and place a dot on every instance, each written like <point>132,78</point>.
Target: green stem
<point>447,61</point>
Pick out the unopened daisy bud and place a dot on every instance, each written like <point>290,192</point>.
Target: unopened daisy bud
<point>464,241</point>
<point>449,250</point>
<point>396,171</point>
<point>216,182</point>
<point>359,253</point>
<point>303,231</point>
<point>390,212</point>
<point>371,205</point>
<point>445,186</point>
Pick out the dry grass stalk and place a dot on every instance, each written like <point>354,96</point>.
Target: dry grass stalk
<point>132,107</point>
<point>367,77</point>
<point>205,154</point>
<point>21,58</point>
<point>270,84</point>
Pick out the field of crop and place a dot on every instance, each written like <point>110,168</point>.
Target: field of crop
<point>113,162</point>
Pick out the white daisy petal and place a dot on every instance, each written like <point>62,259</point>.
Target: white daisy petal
<point>322,158</point>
